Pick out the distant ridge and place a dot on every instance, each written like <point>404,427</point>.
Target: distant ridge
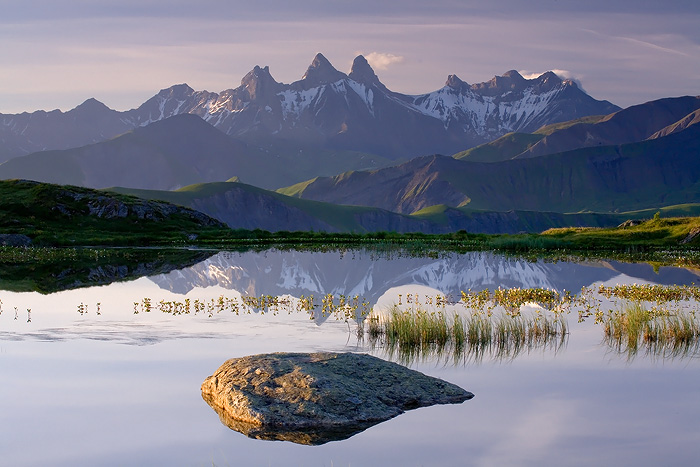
<point>179,151</point>
<point>657,168</point>
<point>326,108</point>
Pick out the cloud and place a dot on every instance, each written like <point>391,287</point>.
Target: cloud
<point>563,74</point>
<point>382,61</point>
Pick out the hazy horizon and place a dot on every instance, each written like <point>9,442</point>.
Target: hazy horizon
<point>122,53</point>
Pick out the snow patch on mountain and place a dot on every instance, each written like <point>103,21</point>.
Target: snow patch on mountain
<point>365,93</point>
<point>296,102</point>
<point>475,112</point>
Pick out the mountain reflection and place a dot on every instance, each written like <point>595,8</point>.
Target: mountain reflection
<point>370,275</point>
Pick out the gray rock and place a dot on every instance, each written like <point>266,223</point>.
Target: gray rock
<point>319,397</point>
<point>15,240</point>
<point>692,235</point>
<point>629,223</point>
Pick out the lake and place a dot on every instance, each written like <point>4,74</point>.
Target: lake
<point>90,377</point>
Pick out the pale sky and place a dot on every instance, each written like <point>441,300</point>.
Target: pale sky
<point>58,53</point>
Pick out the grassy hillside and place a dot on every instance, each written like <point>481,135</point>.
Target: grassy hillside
<point>648,174</point>
<point>549,129</point>
<point>504,148</point>
<point>246,206</point>
<point>527,221</point>
<point>510,145</point>
<point>52,215</point>
<point>68,215</point>
<point>656,232</point>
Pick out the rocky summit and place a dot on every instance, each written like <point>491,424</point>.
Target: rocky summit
<point>314,398</point>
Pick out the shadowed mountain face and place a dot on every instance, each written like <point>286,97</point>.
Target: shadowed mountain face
<point>243,206</point>
<point>179,151</point>
<point>165,155</point>
<point>652,173</point>
<point>636,123</point>
<point>328,109</point>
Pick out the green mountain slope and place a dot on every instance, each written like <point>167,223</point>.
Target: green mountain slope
<point>629,125</point>
<point>650,120</point>
<point>243,206</point>
<point>504,148</point>
<point>67,215</point>
<point>649,174</point>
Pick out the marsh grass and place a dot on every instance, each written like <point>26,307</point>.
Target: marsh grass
<point>417,334</point>
<point>500,324</point>
<point>656,332</point>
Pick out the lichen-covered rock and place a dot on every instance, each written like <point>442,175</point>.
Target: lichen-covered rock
<point>15,240</point>
<point>319,397</point>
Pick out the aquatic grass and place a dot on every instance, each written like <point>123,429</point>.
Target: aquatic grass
<point>417,333</point>
<point>417,328</point>
<point>660,333</point>
<point>498,324</point>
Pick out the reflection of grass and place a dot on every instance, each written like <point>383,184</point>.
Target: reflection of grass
<point>418,333</point>
<point>494,324</point>
<point>49,270</point>
<point>496,327</point>
<point>659,332</point>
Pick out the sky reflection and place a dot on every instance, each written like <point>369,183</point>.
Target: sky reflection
<point>79,387</point>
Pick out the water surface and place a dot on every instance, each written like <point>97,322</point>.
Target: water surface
<point>116,388</point>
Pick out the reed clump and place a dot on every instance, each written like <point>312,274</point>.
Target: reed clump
<point>416,333</point>
<point>658,332</point>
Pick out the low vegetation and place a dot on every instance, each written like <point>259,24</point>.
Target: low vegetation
<point>663,321</point>
<point>656,332</point>
<point>52,215</point>
<point>56,215</point>
<point>412,334</point>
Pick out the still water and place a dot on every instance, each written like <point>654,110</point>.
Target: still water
<point>86,381</point>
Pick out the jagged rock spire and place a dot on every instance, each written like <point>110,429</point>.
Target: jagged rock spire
<point>547,81</point>
<point>362,72</point>
<point>455,83</point>
<point>259,82</point>
<point>510,81</point>
<point>321,71</point>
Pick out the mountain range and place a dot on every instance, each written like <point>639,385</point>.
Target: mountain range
<point>243,206</point>
<point>325,109</point>
<point>626,161</point>
<point>596,184</point>
<point>345,153</point>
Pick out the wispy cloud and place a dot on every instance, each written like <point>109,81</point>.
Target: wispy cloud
<point>654,46</point>
<point>382,61</point>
